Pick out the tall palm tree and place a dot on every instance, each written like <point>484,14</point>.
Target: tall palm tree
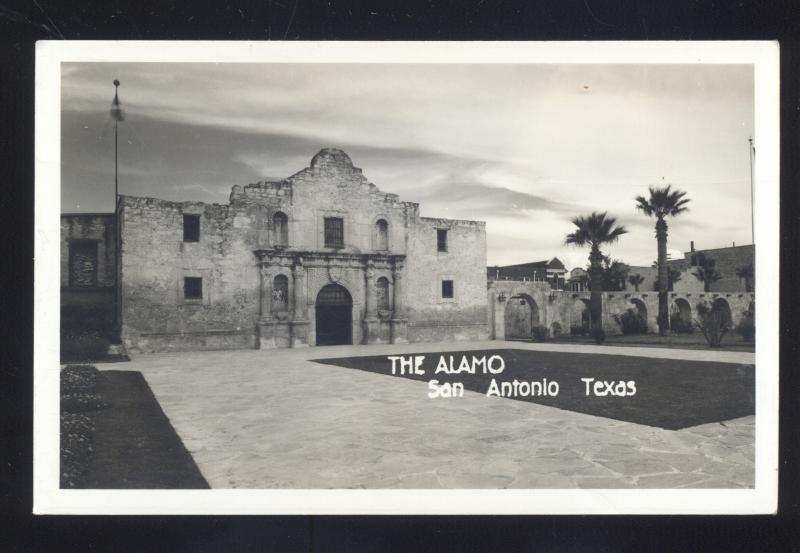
<point>636,280</point>
<point>662,203</point>
<point>594,231</point>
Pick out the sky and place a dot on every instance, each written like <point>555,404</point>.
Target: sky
<point>523,147</point>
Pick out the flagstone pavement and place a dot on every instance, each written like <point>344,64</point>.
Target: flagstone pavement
<point>275,419</point>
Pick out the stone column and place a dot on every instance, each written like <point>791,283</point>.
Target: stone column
<point>371,322</point>
<point>399,323</point>
<point>299,325</point>
<point>371,299</point>
<point>266,324</point>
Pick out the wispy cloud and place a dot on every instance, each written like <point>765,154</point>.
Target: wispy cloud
<point>523,147</point>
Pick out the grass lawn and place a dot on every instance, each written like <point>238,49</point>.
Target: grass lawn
<point>115,435</point>
<point>671,394</point>
<point>731,342</point>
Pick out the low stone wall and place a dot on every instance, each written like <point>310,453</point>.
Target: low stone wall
<point>193,341</point>
<point>434,331</point>
<point>559,310</point>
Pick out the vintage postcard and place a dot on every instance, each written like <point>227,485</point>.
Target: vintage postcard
<point>374,278</point>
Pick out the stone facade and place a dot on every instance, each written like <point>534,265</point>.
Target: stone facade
<point>288,263</point>
<point>88,269</point>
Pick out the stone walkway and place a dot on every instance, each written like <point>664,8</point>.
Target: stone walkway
<point>274,419</point>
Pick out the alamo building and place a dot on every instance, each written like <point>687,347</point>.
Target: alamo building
<point>322,257</point>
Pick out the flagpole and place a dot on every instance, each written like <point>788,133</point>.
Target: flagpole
<point>116,148</point>
<point>752,194</point>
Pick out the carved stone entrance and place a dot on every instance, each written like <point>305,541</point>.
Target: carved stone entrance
<point>319,298</point>
<point>334,308</point>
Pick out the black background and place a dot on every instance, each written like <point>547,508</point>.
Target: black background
<point>22,23</point>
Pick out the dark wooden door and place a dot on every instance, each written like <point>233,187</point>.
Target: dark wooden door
<point>334,316</point>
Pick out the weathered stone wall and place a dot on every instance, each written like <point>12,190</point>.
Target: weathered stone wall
<point>566,308</point>
<point>89,306</point>
<point>431,317</point>
<point>650,275</point>
<point>238,238</point>
<point>155,260</point>
<point>94,227</point>
<point>690,283</point>
<point>727,262</point>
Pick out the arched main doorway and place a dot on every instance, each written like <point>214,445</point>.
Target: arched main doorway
<point>334,316</point>
<point>521,315</point>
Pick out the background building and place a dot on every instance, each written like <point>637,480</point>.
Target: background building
<point>553,272</point>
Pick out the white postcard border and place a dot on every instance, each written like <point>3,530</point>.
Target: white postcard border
<point>49,499</point>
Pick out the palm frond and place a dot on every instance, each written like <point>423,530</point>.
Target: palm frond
<point>663,202</point>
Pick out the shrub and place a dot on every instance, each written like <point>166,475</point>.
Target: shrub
<point>681,326</point>
<point>78,389</point>
<point>78,378</point>
<point>631,322</point>
<point>599,335</point>
<point>711,323</point>
<point>556,329</point>
<point>76,448</point>
<point>579,330</point>
<point>539,333</point>
<point>83,345</point>
<point>78,396</point>
<point>747,327</point>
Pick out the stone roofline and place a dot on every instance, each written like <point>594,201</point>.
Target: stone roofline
<point>89,214</point>
<point>170,203</point>
<point>327,160</point>
<point>720,249</point>
<point>450,222</point>
<point>286,184</point>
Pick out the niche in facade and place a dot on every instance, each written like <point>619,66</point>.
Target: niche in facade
<point>280,294</point>
<point>382,290</point>
<point>280,229</point>
<point>381,235</point>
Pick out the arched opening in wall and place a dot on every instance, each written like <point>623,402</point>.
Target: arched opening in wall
<point>521,316</point>
<point>382,291</point>
<point>721,306</point>
<point>641,308</point>
<point>580,320</point>
<point>280,294</point>
<point>680,316</point>
<point>280,229</point>
<point>334,316</point>
<point>634,319</point>
<point>381,235</point>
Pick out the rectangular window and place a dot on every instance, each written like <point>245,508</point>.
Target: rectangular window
<point>83,264</point>
<point>334,232</point>
<point>441,240</point>
<point>191,228</point>
<point>447,289</point>
<point>193,288</point>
